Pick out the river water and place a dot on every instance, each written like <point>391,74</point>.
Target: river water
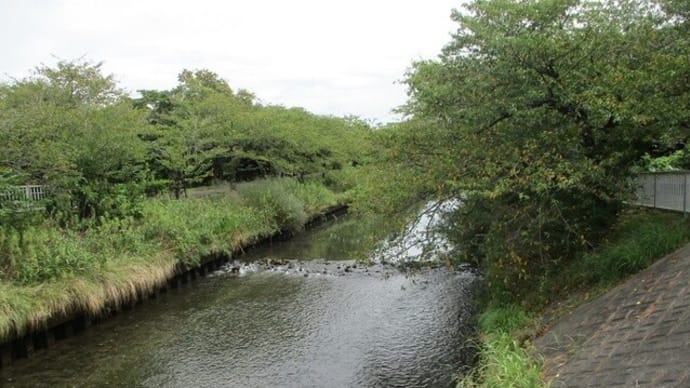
<point>315,322</point>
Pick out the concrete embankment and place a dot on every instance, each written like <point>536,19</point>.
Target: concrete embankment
<point>70,323</point>
<point>636,335</point>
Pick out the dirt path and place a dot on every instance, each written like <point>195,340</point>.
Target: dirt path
<point>636,335</point>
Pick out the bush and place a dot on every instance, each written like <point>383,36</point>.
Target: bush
<point>273,197</point>
<point>517,239</point>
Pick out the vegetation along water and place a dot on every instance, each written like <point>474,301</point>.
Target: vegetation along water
<point>301,323</point>
<point>531,123</point>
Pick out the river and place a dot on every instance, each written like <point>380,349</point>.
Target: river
<point>315,322</point>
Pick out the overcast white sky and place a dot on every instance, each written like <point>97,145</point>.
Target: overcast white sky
<point>330,57</point>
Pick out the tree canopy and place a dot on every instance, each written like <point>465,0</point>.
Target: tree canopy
<point>535,114</point>
<point>203,130</point>
<point>72,127</point>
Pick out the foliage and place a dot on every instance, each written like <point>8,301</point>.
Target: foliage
<point>399,175</point>
<point>71,128</point>
<point>638,239</point>
<point>678,160</point>
<point>100,240</point>
<point>203,130</point>
<point>187,230</point>
<point>274,199</point>
<point>187,127</point>
<point>534,115</point>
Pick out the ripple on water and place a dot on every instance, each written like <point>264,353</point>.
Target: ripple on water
<point>268,329</point>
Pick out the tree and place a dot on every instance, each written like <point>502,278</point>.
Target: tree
<point>70,127</point>
<point>202,129</point>
<point>190,123</point>
<point>535,113</point>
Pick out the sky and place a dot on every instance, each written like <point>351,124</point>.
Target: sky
<point>329,57</point>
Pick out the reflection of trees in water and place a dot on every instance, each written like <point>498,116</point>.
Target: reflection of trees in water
<point>423,238</point>
<point>377,238</point>
<point>415,235</point>
<point>346,239</point>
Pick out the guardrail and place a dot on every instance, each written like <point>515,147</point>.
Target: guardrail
<point>664,190</point>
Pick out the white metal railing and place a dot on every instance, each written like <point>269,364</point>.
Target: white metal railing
<point>664,190</point>
<point>29,193</point>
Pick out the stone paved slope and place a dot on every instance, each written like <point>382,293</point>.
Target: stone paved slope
<point>636,335</point>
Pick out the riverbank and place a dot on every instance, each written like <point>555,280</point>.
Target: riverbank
<point>635,335</point>
<point>58,273</point>
<point>507,356</point>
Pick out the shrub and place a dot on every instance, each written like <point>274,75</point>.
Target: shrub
<point>517,239</point>
<point>273,198</point>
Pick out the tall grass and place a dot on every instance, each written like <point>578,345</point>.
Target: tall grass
<point>195,228</point>
<point>639,239</point>
<point>314,196</point>
<point>46,270</point>
<point>286,202</point>
<point>26,307</point>
<point>503,361</point>
<point>273,199</point>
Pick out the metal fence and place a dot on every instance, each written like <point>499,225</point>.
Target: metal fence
<point>665,190</point>
<point>30,193</point>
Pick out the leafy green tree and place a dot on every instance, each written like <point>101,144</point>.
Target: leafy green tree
<point>203,130</point>
<point>70,127</point>
<point>188,127</point>
<point>534,114</point>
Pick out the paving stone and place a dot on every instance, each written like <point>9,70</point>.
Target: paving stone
<point>636,335</point>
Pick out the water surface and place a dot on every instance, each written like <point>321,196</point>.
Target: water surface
<point>370,328</point>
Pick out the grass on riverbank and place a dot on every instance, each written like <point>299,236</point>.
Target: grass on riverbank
<point>641,237</point>
<point>503,361</point>
<point>51,271</point>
